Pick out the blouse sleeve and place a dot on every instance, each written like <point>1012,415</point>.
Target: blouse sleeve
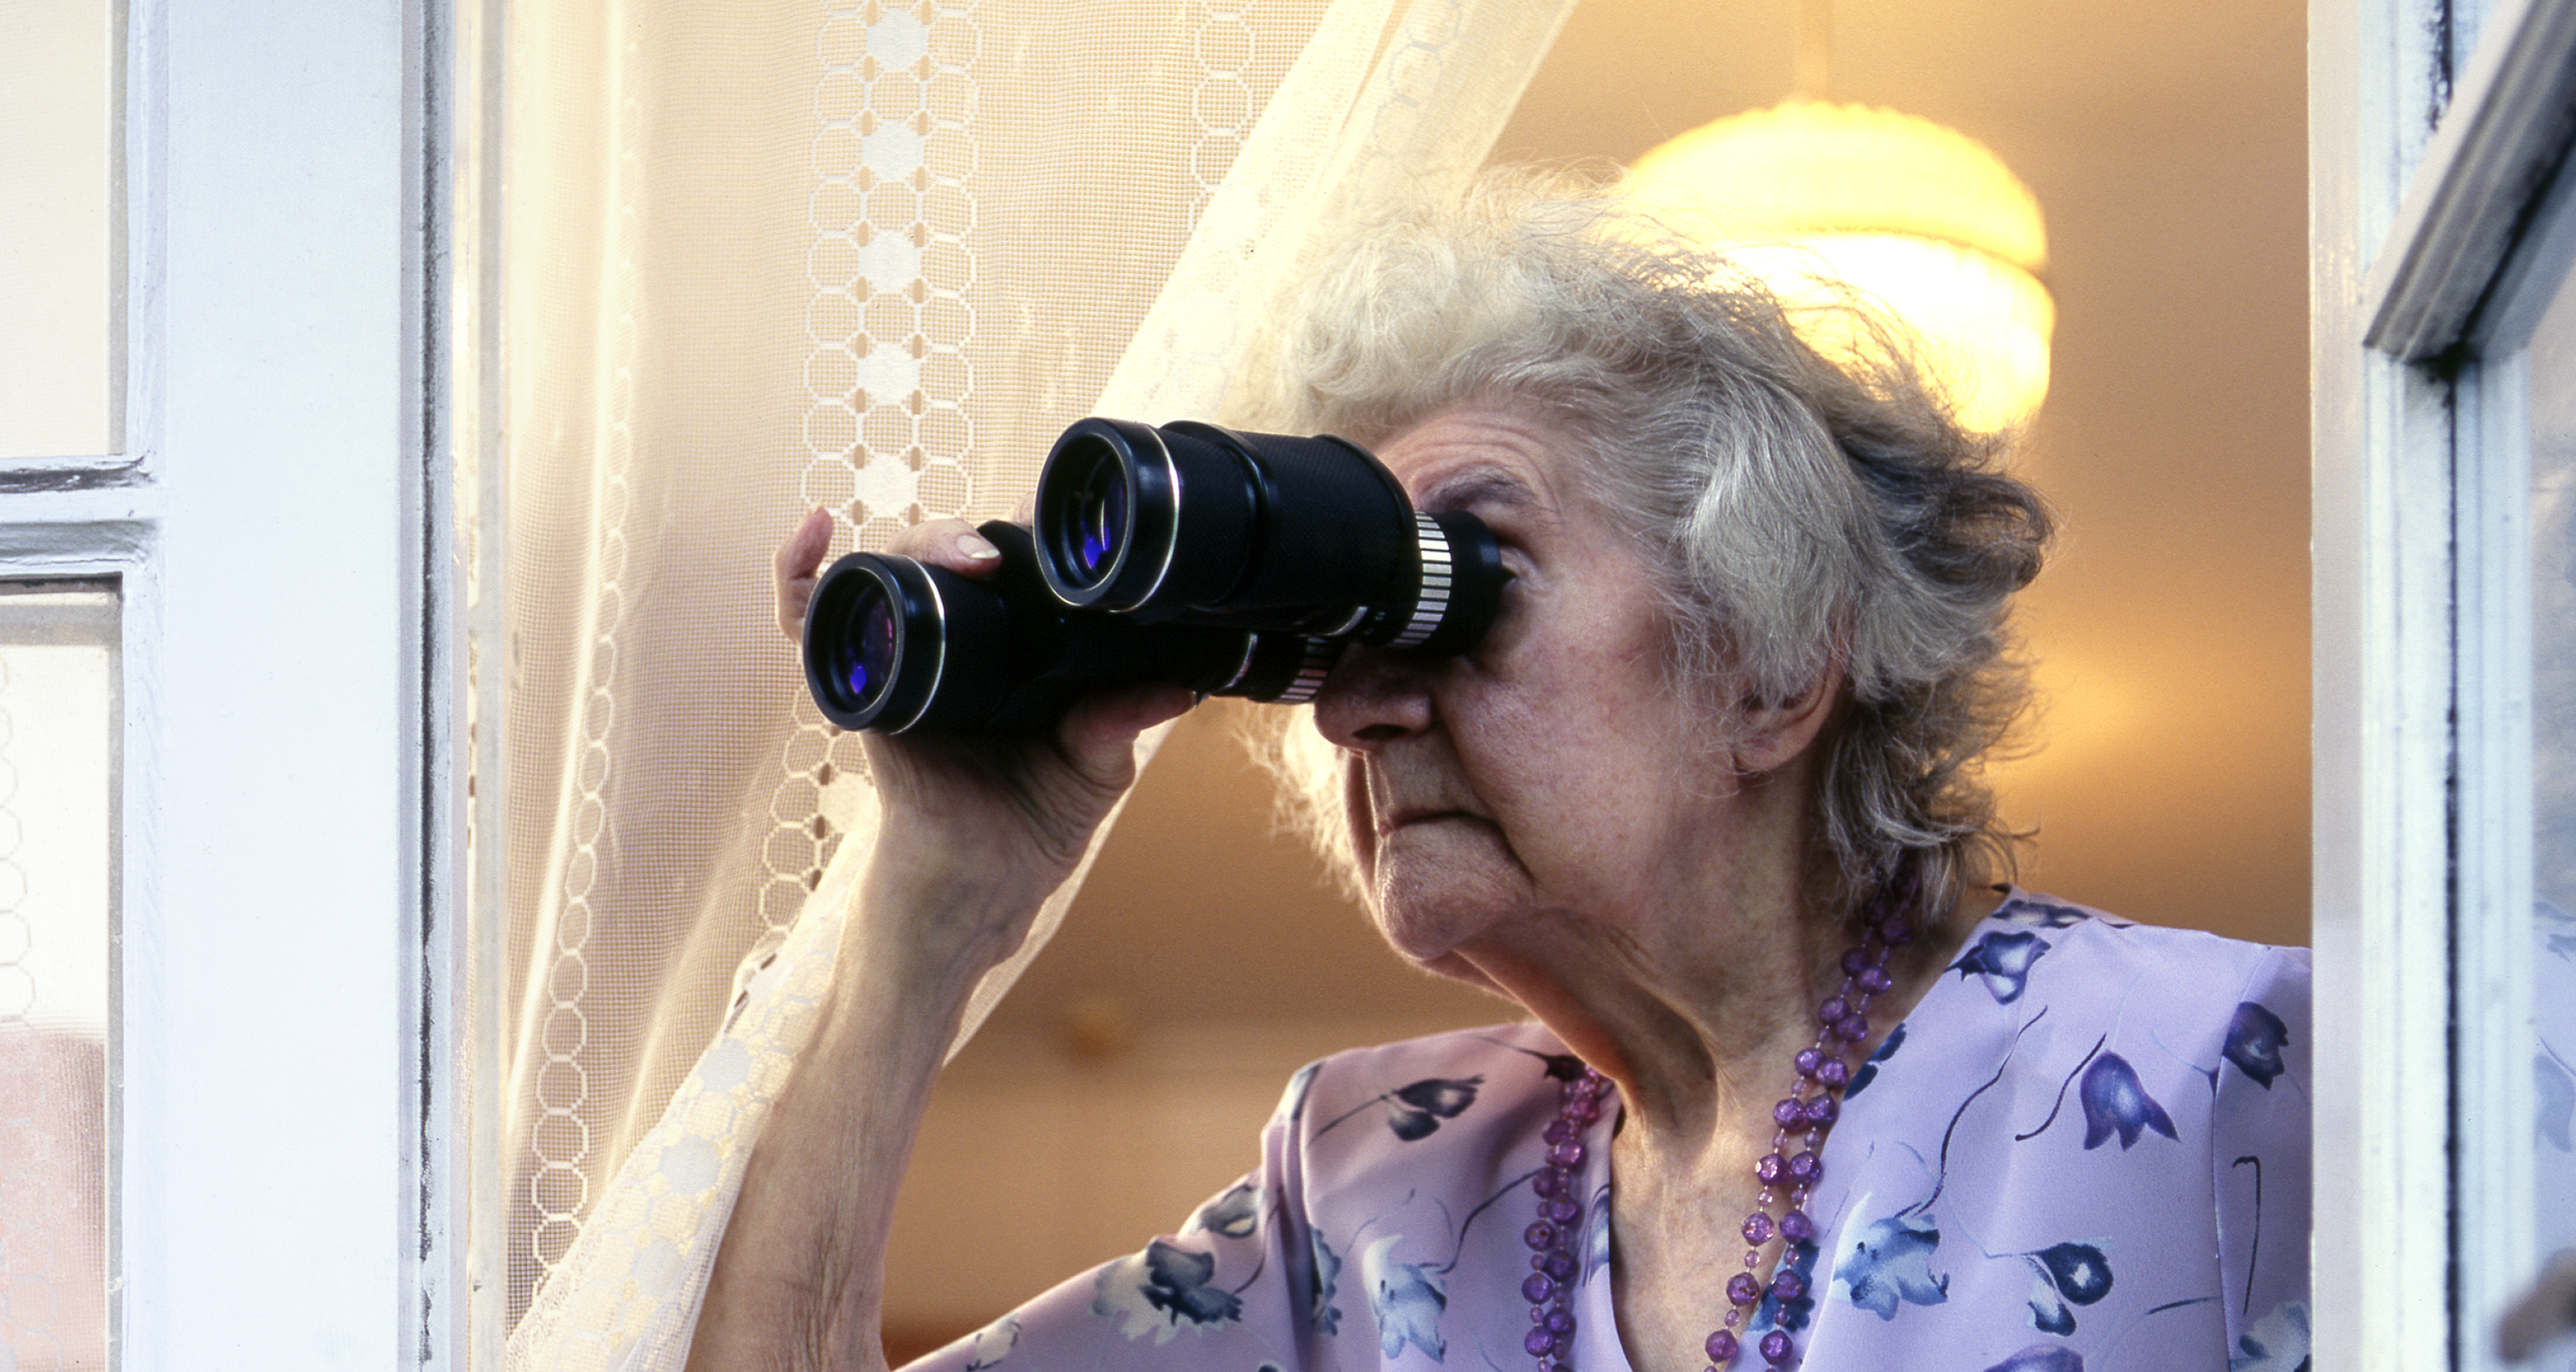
<point>2259,1150</point>
<point>1232,1289</point>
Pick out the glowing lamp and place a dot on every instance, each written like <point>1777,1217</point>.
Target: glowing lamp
<point>1922,217</point>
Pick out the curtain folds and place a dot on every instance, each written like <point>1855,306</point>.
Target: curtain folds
<point>760,257</point>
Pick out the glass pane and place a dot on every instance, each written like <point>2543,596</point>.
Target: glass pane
<point>62,336</point>
<point>58,768</point>
<point>2551,516</point>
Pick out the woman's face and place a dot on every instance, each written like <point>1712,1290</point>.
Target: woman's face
<point>1553,772</point>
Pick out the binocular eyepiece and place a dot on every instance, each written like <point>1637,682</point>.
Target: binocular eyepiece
<point>1228,563</point>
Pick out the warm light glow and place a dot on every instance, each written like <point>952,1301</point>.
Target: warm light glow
<point>1920,216</point>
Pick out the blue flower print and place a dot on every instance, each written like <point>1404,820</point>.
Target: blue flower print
<point>1414,1111</point>
<point>2254,1042</point>
<point>2556,1094</point>
<point>2039,912</point>
<point>2080,1272</point>
<point>1406,1300</point>
<point>2042,1357</point>
<point>2278,1342</point>
<point>2116,1102</point>
<point>2004,961</point>
<point>2547,913</point>
<point>1869,1070</point>
<point>1324,1316</point>
<point>2069,1274</point>
<point>1292,1101</point>
<point>993,1343</point>
<point>1892,1261</point>
<point>1235,1214</point>
<point>1162,1290</point>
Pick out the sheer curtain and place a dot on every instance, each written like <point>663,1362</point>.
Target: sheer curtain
<point>753,258</point>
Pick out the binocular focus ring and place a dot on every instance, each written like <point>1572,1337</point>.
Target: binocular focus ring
<point>1439,573</point>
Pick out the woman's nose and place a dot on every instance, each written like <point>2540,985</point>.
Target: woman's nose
<point>1372,697</point>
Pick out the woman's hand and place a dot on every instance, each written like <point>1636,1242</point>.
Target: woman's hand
<point>976,830</point>
<point>975,833</point>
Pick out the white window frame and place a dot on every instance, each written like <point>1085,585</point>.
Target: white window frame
<point>2424,173</point>
<point>290,807</point>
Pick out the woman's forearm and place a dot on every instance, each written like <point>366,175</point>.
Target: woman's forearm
<point>799,1279</point>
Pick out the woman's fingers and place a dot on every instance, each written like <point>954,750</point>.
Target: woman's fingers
<point>799,559</point>
<point>949,543</point>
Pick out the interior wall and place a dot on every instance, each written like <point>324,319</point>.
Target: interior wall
<point>2169,782</point>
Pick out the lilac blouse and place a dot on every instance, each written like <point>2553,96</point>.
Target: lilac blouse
<point>2085,1151</point>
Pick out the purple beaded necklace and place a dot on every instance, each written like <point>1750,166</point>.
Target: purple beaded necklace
<point>1805,1115</point>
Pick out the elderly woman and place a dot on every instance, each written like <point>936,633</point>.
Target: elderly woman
<point>1797,1085</point>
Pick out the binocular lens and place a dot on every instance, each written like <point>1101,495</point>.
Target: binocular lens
<point>868,655</point>
<point>856,637</point>
<point>1100,519</point>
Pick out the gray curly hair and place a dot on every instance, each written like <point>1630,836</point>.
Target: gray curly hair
<point>1802,511</point>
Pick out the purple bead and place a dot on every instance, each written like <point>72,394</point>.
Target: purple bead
<point>1560,1321</point>
<point>1769,1170</point>
<point>1540,1343</point>
<point>1568,1154</point>
<point>1895,932</point>
<point>1541,1235</point>
<point>1787,1286</point>
<point>1832,1011</point>
<point>1834,1073</point>
<point>1721,1348</point>
<point>1854,959</point>
<point>1560,1265</point>
<point>1788,1112</point>
<point>1757,1228</point>
<point>1796,1227</point>
<point>1807,1060</point>
<point>1549,1182</point>
<point>1852,1028</point>
<point>1559,1209</point>
<point>1806,1167</point>
<point>1743,1289</point>
<point>1538,1288</point>
<point>1820,1110</point>
<point>1876,981</point>
<point>1583,1113</point>
<point>1776,1347</point>
<point>1557,1131</point>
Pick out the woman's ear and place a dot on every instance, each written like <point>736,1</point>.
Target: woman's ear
<point>1771,734</point>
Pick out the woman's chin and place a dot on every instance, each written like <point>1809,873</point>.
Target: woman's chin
<point>1426,913</point>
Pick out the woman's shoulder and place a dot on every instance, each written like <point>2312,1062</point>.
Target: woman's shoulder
<point>2090,949</point>
<point>1420,1082</point>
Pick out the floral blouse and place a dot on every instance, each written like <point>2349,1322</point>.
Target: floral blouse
<point>2085,1151</point>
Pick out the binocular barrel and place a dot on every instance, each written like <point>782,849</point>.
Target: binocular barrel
<point>1227,563</point>
<point>1193,524</point>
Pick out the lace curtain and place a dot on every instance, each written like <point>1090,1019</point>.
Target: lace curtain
<point>753,258</point>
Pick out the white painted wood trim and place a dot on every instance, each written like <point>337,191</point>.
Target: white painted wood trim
<point>2493,944</point>
<point>2381,734</point>
<point>2513,111</point>
<point>280,807</point>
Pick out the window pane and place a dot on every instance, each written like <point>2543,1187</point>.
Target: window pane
<point>2551,404</point>
<point>62,273</point>
<point>58,767</point>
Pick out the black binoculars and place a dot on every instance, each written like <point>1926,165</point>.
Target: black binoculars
<point>1227,563</point>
